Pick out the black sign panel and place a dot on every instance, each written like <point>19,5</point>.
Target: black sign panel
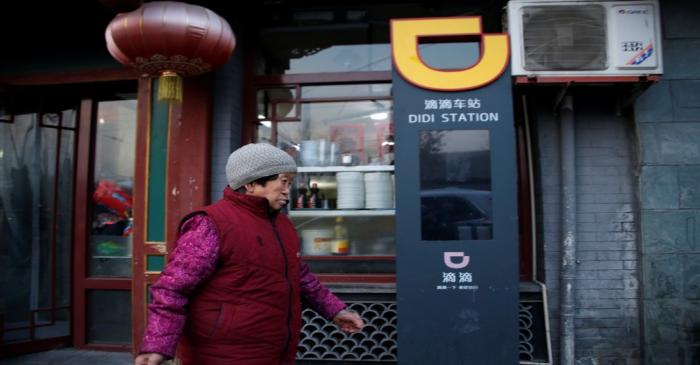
<point>456,201</point>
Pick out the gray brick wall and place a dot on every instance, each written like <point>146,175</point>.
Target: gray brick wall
<point>607,290</point>
<point>228,120</point>
<point>668,120</point>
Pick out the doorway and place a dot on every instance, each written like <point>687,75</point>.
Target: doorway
<point>103,222</point>
<point>56,145</point>
<point>37,162</point>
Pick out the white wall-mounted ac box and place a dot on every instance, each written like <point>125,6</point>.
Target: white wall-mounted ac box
<point>579,39</point>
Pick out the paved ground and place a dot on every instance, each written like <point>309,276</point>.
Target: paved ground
<point>71,357</point>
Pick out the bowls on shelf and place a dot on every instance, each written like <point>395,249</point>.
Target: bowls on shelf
<point>351,190</point>
<point>379,190</point>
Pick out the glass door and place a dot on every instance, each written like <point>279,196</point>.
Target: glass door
<point>104,223</point>
<point>37,158</point>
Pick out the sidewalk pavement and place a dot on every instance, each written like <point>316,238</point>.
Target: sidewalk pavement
<point>70,356</point>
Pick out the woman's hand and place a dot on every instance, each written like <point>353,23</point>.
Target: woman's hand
<point>349,321</point>
<point>149,359</point>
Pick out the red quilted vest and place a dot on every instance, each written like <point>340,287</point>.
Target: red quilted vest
<point>248,312</point>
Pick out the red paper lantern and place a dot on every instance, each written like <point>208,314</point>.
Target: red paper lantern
<point>169,39</point>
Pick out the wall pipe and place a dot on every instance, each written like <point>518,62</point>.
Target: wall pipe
<point>567,304</point>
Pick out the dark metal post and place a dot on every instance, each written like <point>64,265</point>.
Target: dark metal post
<point>567,305</point>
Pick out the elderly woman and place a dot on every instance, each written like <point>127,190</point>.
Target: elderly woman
<point>231,292</point>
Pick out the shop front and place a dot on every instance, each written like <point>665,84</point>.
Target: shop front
<point>332,102</point>
<point>319,83</point>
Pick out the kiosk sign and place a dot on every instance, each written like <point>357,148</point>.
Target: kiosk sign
<point>456,197</point>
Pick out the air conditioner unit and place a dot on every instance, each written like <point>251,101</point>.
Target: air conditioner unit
<point>585,39</point>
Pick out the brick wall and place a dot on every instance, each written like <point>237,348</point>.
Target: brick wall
<point>607,294</point>
<point>668,120</point>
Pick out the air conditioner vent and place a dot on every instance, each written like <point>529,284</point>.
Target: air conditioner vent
<point>584,41</point>
<point>564,38</point>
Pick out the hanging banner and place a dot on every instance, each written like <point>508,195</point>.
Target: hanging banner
<point>456,199</point>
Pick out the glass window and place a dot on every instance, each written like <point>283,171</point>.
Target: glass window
<point>276,104</point>
<point>366,235</point>
<point>347,58</point>
<point>37,159</point>
<point>295,40</point>
<point>342,136</point>
<point>110,240</point>
<point>345,91</point>
<point>20,198</point>
<point>306,47</point>
<point>343,201</point>
<point>455,183</point>
<point>339,133</point>
<point>64,212</point>
<point>115,328</point>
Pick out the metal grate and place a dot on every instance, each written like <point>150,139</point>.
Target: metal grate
<point>533,326</point>
<point>322,340</point>
<point>529,331</point>
<point>570,37</point>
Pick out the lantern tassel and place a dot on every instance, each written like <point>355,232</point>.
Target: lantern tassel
<point>170,87</point>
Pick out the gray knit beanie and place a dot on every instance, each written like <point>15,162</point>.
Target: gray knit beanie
<point>254,161</point>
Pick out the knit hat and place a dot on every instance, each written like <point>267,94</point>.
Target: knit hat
<point>254,161</point>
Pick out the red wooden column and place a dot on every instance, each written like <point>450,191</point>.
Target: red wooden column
<point>186,187</point>
<point>138,281</point>
<point>190,152</point>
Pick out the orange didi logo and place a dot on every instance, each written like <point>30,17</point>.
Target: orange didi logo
<point>407,33</point>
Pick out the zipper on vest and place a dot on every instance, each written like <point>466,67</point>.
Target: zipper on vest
<point>289,291</point>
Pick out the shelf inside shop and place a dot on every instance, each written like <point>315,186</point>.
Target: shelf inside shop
<point>300,213</point>
<point>364,168</point>
<point>362,283</point>
<point>350,257</point>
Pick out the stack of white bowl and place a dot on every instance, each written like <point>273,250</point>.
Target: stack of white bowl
<point>379,190</point>
<point>351,190</point>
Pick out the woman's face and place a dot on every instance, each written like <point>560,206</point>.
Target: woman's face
<point>275,191</point>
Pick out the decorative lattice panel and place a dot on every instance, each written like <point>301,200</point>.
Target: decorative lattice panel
<point>525,333</point>
<point>532,329</point>
<point>322,340</point>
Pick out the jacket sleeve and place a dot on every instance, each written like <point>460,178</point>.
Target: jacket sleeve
<point>192,261</point>
<point>317,296</point>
